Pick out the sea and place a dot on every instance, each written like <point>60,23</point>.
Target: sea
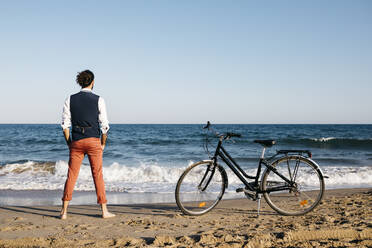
<point>142,162</point>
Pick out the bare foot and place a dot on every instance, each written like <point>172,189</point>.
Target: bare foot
<point>107,215</point>
<point>63,216</point>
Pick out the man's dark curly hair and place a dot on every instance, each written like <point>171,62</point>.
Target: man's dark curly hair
<point>85,78</point>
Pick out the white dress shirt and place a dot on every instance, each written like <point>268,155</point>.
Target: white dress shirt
<point>102,115</point>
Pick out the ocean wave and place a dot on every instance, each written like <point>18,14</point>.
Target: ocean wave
<point>346,177</point>
<point>329,143</point>
<point>323,139</point>
<point>28,166</point>
<point>33,175</point>
<point>338,161</point>
<point>39,141</point>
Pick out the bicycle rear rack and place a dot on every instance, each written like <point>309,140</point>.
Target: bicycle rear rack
<point>298,152</point>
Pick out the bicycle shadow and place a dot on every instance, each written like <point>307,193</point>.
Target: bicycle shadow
<point>252,212</point>
<point>171,210</point>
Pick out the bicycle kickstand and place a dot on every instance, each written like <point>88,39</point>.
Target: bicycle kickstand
<point>258,204</point>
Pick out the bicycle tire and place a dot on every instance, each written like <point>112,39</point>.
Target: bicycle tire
<point>193,199</point>
<point>304,196</point>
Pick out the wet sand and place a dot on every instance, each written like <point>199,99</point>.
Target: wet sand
<point>344,219</point>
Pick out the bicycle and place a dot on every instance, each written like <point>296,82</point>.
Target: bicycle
<point>284,183</point>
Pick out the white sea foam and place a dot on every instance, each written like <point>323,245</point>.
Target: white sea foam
<point>145,178</point>
<point>38,176</point>
<point>346,177</point>
<point>323,139</point>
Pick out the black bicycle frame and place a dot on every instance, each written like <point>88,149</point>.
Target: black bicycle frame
<point>240,173</point>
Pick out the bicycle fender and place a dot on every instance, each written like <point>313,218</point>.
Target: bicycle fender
<point>317,166</point>
<point>224,175</point>
<point>222,170</point>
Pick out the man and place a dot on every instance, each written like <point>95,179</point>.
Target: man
<point>85,113</point>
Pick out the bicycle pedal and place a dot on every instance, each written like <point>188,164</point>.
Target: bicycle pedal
<point>238,190</point>
<point>247,193</point>
<point>250,195</point>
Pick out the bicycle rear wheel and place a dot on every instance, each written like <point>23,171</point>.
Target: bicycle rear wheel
<point>200,188</point>
<point>300,196</point>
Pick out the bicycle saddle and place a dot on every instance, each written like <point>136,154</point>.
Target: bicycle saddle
<point>265,143</point>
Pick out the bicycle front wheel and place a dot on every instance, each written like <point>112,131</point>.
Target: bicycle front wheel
<point>302,194</point>
<point>200,188</point>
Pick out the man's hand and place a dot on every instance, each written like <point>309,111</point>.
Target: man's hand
<point>103,141</point>
<point>66,133</point>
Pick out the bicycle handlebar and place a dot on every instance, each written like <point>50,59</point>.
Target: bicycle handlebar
<point>207,126</point>
<point>224,136</point>
<point>220,136</point>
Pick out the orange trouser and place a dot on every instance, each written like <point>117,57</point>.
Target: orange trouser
<point>78,149</point>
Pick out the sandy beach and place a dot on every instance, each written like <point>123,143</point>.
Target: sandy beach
<point>344,219</point>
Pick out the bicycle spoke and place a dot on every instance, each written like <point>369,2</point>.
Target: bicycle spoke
<point>296,169</point>
<point>289,171</point>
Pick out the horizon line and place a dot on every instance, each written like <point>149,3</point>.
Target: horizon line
<point>215,123</point>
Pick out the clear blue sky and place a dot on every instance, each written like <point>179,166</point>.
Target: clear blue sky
<point>190,61</point>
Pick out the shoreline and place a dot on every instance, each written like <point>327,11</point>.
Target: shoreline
<point>35,197</point>
<point>342,219</point>
<point>53,197</point>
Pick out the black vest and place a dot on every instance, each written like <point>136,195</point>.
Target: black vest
<point>84,115</point>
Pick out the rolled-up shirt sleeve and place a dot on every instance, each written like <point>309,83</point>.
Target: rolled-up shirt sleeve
<point>66,114</point>
<point>102,117</point>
